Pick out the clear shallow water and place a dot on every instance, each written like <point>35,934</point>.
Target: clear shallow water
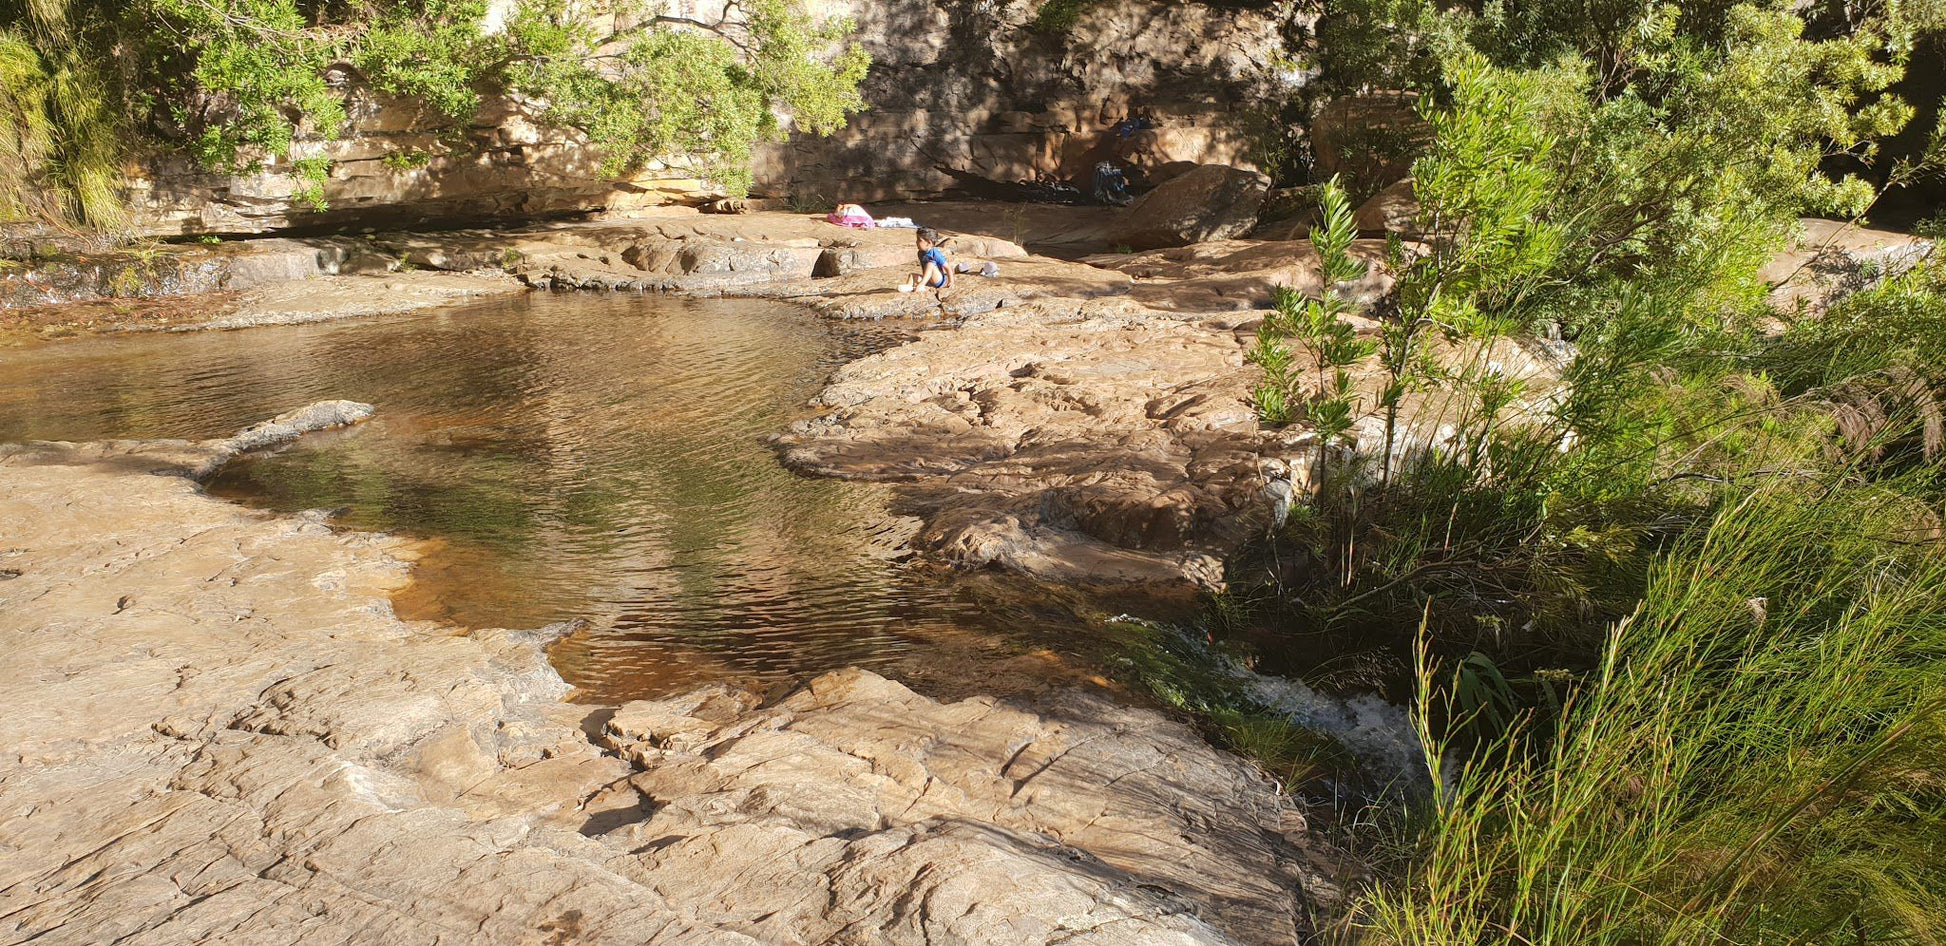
<point>589,456</point>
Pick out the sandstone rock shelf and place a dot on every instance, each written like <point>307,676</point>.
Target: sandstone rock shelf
<point>1073,420</point>
<point>223,733</point>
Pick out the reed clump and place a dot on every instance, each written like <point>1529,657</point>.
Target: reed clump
<point>1759,756</point>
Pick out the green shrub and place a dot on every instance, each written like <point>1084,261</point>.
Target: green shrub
<point>406,160</point>
<point>236,83</point>
<point>432,51</point>
<point>1331,343</point>
<point>1057,17</point>
<point>1757,757</point>
<point>312,175</point>
<point>686,91</point>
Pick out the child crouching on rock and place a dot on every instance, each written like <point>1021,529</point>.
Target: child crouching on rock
<point>934,271</point>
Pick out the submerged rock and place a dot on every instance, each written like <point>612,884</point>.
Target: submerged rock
<point>222,732</point>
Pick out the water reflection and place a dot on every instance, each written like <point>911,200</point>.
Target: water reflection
<point>581,456</point>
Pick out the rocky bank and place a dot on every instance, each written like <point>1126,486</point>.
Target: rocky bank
<point>222,733</point>
<point>1084,420</point>
<point>1078,419</point>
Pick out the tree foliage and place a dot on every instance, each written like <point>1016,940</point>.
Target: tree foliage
<point>1691,134</point>
<point>1681,612</point>
<point>715,88</point>
<point>238,83</point>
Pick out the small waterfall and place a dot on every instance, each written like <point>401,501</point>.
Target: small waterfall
<point>1379,734</point>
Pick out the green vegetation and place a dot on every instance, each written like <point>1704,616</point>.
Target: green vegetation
<point>407,160</point>
<point>1678,617</point>
<point>312,174</point>
<point>1333,345</point>
<point>239,83</point>
<point>1756,758</point>
<point>1622,197</point>
<point>59,137</point>
<point>1057,17</point>
<point>714,97</point>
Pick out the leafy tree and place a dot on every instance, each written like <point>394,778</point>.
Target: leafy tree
<point>1691,135</point>
<point>230,74</point>
<point>237,83</point>
<point>429,50</point>
<point>684,86</point>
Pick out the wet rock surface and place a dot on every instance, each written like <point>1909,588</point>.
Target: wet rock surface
<point>676,251</point>
<point>1077,421</point>
<point>222,732</point>
<point>165,270</point>
<point>359,296</point>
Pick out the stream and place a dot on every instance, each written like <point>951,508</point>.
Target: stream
<point>586,456</point>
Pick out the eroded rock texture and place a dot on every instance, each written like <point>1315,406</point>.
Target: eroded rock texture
<point>1101,441</point>
<point>982,90</point>
<point>221,733</point>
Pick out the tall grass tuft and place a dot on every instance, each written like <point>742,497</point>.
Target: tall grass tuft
<point>62,134</point>
<point>1760,755</point>
<point>89,148</point>
<point>26,133</point>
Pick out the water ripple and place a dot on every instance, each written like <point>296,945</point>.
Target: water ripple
<point>575,456</point>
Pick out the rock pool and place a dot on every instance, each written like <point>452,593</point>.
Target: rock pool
<point>584,456</point>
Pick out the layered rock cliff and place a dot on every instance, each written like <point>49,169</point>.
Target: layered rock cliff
<point>976,88</point>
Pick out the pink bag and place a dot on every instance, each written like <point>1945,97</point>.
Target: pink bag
<point>850,215</point>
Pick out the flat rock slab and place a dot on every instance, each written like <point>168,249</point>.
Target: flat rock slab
<point>1237,275</point>
<point>1828,259</point>
<point>1096,441</point>
<point>360,296</point>
<point>680,251</point>
<point>221,732</point>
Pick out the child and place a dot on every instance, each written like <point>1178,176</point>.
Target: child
<point>934,271</point>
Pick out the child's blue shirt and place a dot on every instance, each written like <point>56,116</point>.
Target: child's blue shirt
<point>937,257</point>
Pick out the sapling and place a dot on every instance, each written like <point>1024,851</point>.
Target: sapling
<point>1332,342</point>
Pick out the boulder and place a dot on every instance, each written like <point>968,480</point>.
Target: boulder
<point>1392,210</point>
<point>1370,139</point>
<point>1211,202</point>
